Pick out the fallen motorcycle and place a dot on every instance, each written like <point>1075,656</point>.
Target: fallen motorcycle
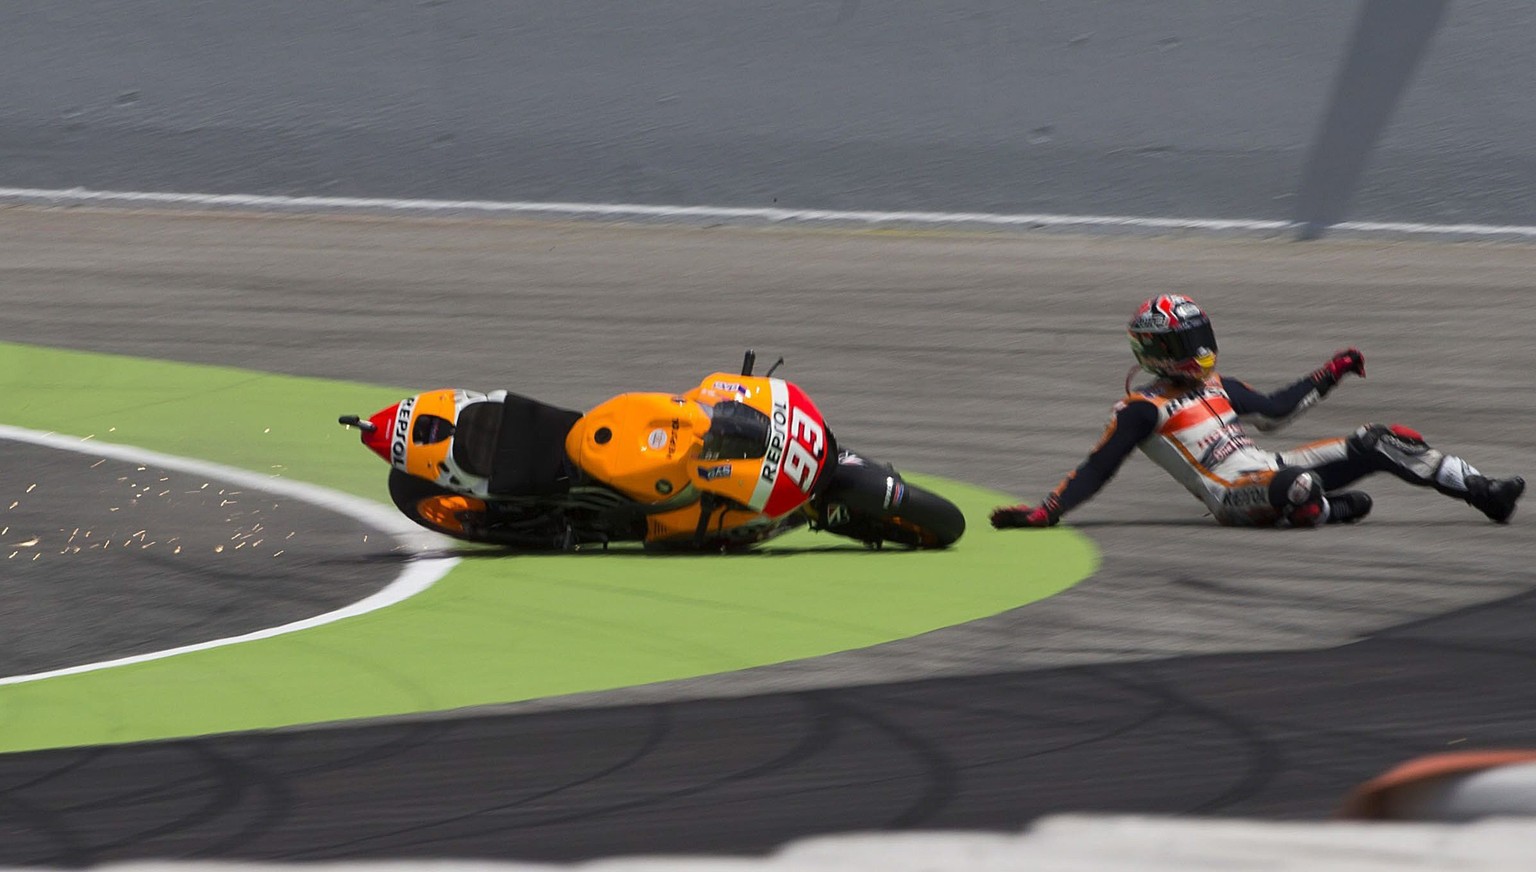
<point>727,465</point>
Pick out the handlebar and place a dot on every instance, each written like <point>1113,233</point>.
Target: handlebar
<point>750,360</point>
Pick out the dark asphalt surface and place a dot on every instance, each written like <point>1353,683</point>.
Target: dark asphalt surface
<point>105,559</point>
<point>1201,670</point>
<point>1279,736</point>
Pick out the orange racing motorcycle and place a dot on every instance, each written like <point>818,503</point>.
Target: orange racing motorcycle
<point>729,464</point>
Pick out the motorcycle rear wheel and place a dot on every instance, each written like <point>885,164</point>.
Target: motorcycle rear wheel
<point>436,508</point>
<point>473,520</point>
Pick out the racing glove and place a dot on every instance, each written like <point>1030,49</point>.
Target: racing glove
<point>1024,515</point>
<point>1350,360</point>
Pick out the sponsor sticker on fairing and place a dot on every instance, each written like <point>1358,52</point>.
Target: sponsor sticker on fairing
<point>797,450</point>
<point>713,473</point>
<point>401,433</point>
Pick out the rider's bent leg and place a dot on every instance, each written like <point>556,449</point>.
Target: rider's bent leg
<point>1404,453</point>
<point>1297,493</point>
<point>1329,465</point>
<point>1330,459</point>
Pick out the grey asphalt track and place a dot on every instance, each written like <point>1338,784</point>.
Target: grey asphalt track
<point>992,359</point>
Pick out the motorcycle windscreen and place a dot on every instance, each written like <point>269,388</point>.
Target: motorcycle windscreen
<point>736,432</point>
<point>782,449</point>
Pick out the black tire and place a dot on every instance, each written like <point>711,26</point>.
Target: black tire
<point>869,501</point>
<point>409,492</point>
<point>925,520</point>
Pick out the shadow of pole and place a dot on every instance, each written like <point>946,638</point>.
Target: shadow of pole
<point>1390,39</point>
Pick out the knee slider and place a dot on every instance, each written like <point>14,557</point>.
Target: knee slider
<point>1372,436</point>
<point>1365,439</point>
<point>1298,494</point>
<point>1396,449</point>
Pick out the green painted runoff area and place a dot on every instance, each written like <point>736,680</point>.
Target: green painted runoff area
<point>500,627</point>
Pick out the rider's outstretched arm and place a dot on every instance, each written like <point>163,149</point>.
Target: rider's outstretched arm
<point>1270,412</point>
<point>1134,420</point>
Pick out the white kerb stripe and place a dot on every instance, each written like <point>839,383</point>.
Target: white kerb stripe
<point>419,574</point>
<point>86,197</point>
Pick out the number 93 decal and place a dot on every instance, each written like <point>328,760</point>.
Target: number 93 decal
<point>807,446</point>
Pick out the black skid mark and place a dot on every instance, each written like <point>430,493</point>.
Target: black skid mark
<point>817,734</point>
<point>1265,757</point>
<point>938,773</point>
<point>660,727</point>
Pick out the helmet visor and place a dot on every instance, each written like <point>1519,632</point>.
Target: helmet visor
<point>1189,343</point>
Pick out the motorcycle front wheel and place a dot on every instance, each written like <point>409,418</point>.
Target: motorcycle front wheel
<point>926,520</point>
<point>869,501</point>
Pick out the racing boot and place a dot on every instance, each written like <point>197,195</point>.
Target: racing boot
<point>1348,507</point>
<point>1494,497</point>
<point>1404,453</point>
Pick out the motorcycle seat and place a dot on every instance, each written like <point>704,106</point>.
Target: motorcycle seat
<point>517,443</point>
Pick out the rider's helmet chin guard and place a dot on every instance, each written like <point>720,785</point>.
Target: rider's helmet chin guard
<point>1172,338</point>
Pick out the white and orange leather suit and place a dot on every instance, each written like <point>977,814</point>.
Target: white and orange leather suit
<point>1189,421</point>
<point>1197,435</point>
<point>1196,432</point>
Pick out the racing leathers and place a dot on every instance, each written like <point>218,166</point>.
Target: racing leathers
<point>1196,433</point>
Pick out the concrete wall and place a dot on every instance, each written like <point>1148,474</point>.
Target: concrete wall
<point>1462,145</point>
<point>1176,107</point>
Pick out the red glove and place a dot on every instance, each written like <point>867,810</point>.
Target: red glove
<point>1350,360</point>
<point>1024,515</point>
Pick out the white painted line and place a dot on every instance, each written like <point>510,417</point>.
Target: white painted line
<point>1436,229</point>
<point>84,197</point>
<point>419,574</point>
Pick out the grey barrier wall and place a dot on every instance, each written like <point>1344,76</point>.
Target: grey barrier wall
<point>1390,40</point>
<point>1462,146</point>
<point>1197,108</point>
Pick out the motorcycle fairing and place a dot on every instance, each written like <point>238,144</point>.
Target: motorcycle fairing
<point>647,447</point>
<point>680,526</point>
<point>482,444</point>
<point>795,452</point>
<point>397,437</point>
<point>640,444</point>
